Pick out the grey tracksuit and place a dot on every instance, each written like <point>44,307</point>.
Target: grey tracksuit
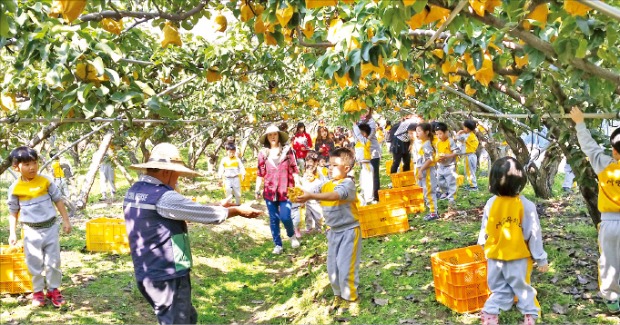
<point>344,239</point>
<point>609,228</point>
<point>510,278</point>
<point>446,170</point>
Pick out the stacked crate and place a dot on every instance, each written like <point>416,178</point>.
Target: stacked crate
<point>460,277</point>
<point>410,197</point>
<point>382,219</point>
<point>403,179</point>
<point>14,275</point>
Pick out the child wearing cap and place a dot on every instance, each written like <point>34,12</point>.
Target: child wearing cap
<point>231,171</point>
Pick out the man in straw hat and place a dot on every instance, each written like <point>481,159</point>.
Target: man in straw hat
<point>155,217</point>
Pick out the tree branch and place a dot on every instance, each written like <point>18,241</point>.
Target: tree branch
<point>302,42</point>
<point>144,15</point>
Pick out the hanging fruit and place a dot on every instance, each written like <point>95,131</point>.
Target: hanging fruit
<point>70,9</point>
<point>539,14</point>
<point>417,20</point>
<point>221,23</point>
<point>284,15</point>
<point>213,75</point>
<point>436,13</point>
<point>112,26</point>
<point>574,8</point>
<point>259,25</point>
<point>8,102</point>
<point>311,4</point>
<point>469,90</point>
<point>351,105</point>
<point>171,35</point>
<point>308,29</point>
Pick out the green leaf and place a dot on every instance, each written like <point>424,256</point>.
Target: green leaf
<point>354,57</point>
<point>83,91</point>
<point>419,5</point>
<point>113,75</point>
<point>102,91</point>
<point>145,88</point>
<point>583,25</point>
<point>98,64</point>
<point>121,97</point>
<point>477,58</point>
<point>366,46</point>
<point>582,49</point>
<point>5,25</point>
<point>108,110</point>
<point>105,48</point>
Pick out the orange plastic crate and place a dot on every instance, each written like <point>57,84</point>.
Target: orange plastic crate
<point>460,277</point>
<point>467,305</point>
<point>411,197</point>
<point>14,275</point>
<point>382,219</point>
<point>403,179</point>
<point>107,235</point>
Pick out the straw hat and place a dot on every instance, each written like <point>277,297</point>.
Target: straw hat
<point>166,156</point>
<point>273,129</point>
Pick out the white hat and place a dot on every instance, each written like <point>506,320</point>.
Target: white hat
<point>166,156</point>
<point>273,129</point>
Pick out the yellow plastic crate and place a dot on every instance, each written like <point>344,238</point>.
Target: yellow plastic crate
<point>411,197</point>
<point>403,179</point>
<point>107,235</point>
<point>249,179</point>
<point>460,277</point>
<point>388,166</point>
<point>382,219</point>
<point>14,275</point>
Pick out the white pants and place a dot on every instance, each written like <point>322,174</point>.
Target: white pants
<point>366,182</point>
<point>232,185</point>
<point>446,177</point>
<point>106,180</point>
<point>569,177</point>
<point>42,250</point>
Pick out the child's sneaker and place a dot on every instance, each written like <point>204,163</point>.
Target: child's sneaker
<point>56,297</point>
<point>277,250</point>
<point>294,242</point>
<point>529,320</point>
<point>613,306</point>
<point>489,319</point>
<point>350,306</point>
<point>431,217</point>
<point>336,303</point>
<point>38,299</point>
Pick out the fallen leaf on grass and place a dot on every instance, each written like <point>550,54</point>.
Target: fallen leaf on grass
<point>258,302</point>
<point>559,309</point>
<point>582,280</point>
<point>380,302</point>
<point>592,286</point>
<point>554,280</point>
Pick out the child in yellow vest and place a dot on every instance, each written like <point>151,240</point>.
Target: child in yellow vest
<point>31,201</point>
<point>59,174</point>
<point>447,151</point>
<point>426,171</point>
<point>608,170</point>
<point>469,138</point>
<point>512,240</point>
<point>344,238</point>
<point>231,171</point>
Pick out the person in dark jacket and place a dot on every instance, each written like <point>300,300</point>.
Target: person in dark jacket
<point>156,220</point>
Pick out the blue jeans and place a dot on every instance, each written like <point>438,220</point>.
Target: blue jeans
<point>280,211</point>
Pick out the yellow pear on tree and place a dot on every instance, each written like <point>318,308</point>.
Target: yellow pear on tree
<point>311,4</point>
<point>112,26</point>
<point>221,23</point>
<point>171,35</point>
<point>7,102</point>
<point>70,9</point>
<point>574,8</point>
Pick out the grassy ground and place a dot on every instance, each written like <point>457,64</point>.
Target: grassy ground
<point>236,279</point>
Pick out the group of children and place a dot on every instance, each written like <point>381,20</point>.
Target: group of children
<point>434,153</point>
<point>510,229</point>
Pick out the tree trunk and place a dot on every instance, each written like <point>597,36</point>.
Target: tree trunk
<point>42,135</point>
<point>122,168</point>
<point>76,157</point>
<point>92,171</point>
<point>542,178</point>
<point>145,152</point>
<point>132,157</point>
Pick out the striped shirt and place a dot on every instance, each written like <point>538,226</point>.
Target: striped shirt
<point>401,132</point>
<point>173,205</point>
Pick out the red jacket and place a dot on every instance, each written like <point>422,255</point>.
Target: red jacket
<point>302,142</point>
